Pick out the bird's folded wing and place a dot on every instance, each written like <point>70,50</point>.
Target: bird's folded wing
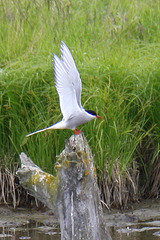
<point>66,91</point>
<point>70,66</point>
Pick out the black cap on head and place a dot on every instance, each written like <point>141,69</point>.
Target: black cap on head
<point>91,112</point>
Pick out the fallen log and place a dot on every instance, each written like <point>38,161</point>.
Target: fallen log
<point>74,191</point>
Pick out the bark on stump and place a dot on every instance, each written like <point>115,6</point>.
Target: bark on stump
<point>74,191</point>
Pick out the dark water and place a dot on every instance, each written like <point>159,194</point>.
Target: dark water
<point>38,231</point>
<point>134,236</point>
<point>32,230</point>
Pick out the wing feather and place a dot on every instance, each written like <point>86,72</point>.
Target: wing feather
<point>70,66</point>
<point>65,89</point>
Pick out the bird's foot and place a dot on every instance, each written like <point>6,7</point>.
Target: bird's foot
<point>77,131</point>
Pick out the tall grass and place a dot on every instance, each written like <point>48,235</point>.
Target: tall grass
<point>117,51</point>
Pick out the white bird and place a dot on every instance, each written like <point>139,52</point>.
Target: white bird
<point>69,88</point>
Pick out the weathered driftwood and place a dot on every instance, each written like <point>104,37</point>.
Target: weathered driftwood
<point>74,191</point>
<point>39,184</point>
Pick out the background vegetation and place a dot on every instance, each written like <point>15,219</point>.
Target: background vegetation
<point>116,47</point>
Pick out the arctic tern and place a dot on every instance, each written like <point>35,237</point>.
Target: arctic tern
<point>69,88</point>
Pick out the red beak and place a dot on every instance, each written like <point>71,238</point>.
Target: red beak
<point>99,117</point>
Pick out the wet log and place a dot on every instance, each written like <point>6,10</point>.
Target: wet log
<point>74,190</point>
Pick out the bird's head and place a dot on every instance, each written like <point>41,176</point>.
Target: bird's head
<point>93,113</point>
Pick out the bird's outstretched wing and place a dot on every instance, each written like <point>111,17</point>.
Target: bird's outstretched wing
<point>68,83</point>
<point>72,71</point>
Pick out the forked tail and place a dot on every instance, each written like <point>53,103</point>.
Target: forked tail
<point>38,131</point>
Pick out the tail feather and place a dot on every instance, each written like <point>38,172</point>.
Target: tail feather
<point>58,125</point>
<point>38,131</point>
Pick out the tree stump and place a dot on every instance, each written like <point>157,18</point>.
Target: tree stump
<point>74,191</point>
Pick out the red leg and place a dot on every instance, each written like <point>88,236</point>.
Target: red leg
<point>77,131</point>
